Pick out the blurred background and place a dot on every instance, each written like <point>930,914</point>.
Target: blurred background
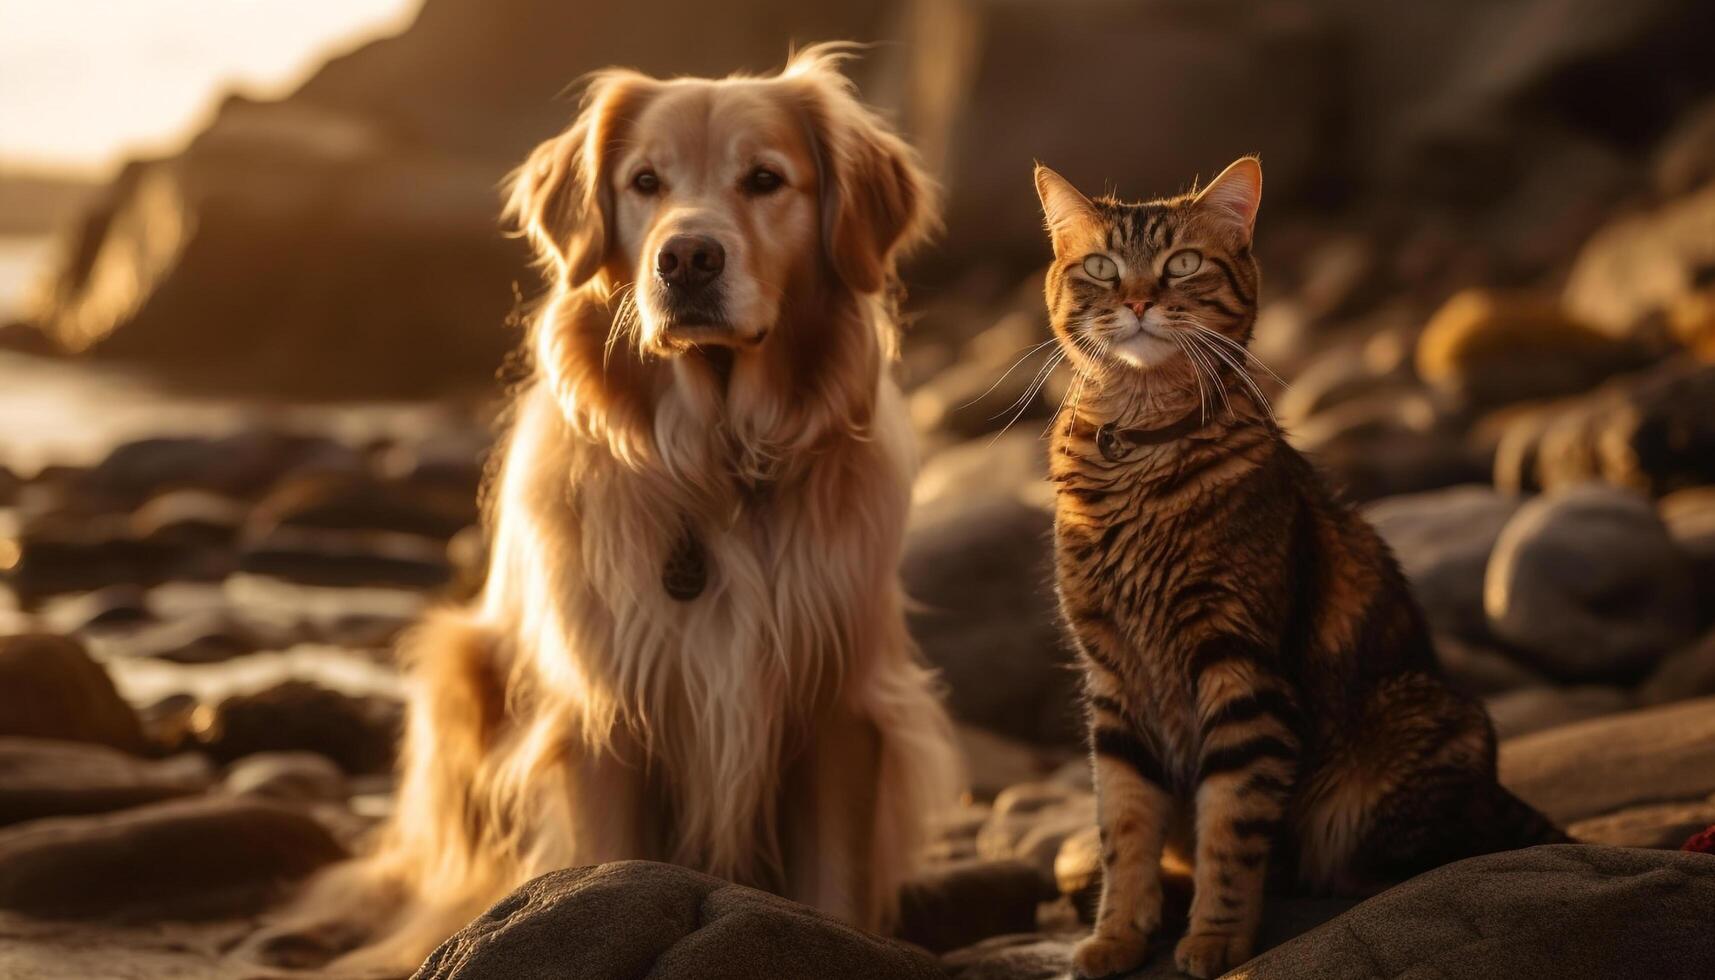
<point>257,307</point>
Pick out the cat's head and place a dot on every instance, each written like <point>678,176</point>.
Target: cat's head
<point>1162,286</point>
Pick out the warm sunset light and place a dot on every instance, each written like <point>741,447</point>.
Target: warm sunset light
<point>857,489</point>
<point>83,82</point>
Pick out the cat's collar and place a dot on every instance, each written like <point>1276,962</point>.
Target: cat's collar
<point>1115,442</point>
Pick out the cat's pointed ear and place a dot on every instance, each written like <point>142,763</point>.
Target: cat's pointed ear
<point>1237,192</point>
<point>1067,211</point>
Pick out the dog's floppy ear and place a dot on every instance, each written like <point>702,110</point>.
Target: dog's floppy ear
<point>876,200</point>
<point>561,199</point>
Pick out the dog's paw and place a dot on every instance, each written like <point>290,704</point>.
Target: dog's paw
<point>1210,954</point>
<point>1103,955</point>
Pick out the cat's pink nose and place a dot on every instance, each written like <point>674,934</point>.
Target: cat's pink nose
<point>1139,306</point>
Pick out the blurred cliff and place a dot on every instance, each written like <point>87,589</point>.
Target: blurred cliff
<point>343,241</point>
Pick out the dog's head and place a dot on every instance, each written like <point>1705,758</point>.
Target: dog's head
<point>722,204</point>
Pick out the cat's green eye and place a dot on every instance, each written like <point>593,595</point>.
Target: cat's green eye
<point>1184,262</point>
<point>1099,266</point>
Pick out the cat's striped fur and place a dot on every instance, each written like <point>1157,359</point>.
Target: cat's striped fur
<point>1261,688</point>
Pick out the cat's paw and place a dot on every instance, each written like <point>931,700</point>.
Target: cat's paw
<point>1104,955</point>
<point>1210,954</point>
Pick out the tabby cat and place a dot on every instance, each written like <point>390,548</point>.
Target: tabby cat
<point>1261,690</point>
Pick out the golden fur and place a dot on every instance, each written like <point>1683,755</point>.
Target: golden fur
<point>778,729</point>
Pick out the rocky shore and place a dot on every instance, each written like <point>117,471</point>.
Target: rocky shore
<point>1489,296</point>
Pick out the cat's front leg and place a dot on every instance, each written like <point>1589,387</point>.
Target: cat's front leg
<point>1133,810</point>
<point>1246,766</point>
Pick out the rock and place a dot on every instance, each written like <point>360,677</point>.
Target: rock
<point>953,834</point>
<point>1587,582</point>
<point>171,721</point>
<point>238,465</point>
<point>1535,709</point>
<point>1482,670</point>
<point>1443,539</point>
<point>1662,438</point>
<point>1691,320</point>
<point>50,688</point>
<point>1599,766</point>
<point>1663,825</point>
<point>958,904</point>
<point>1387,444</point>
<point>1690,518</point>
<point>1641,265</point>
<point>1031,822</point>
<point>358,502</point>
<point>1488,348</point>
<point>977,565</point>
<point>64,554</point>
<point>189,519</point>
<point>297,777</point>
<point>1047,956</point>
<point>359,733</point>
<point>1342,374</point>
<point>344,559</point>
<point>679,925</point>
<point>1688,673</point>
<point>105,608</point>
<point>1078,870</point>
<point>201,638</point>
<point>1027,956</point>
<point>184,858</point>
<point>994,762</point>
<point>1560,911</point>
<point>451,459</point>
<point>42,949</point>
<point>50,778</point>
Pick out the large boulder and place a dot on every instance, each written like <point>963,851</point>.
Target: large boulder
<point>1606,764</point>
<point>1442,539</point>
<point>632,919</point>
<point>1587,582</point>
<point>50,688</point>
<point>978,568</point>
<point>1562,911</point>
<point>195,857</point>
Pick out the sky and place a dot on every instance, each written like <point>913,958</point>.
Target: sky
<point>86,83</point>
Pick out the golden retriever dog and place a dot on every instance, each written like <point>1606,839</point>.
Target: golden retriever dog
<point>691,644</point>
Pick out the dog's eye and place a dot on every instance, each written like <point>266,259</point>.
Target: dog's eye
<point>646,183</point>
<point>762,181</point>
<point>1184,262</point>
<point>1099,266</point>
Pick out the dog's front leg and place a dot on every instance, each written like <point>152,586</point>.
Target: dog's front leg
<point>830,805</point>
<point>614,818</point>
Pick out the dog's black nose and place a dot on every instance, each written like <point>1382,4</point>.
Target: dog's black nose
<point>690,260</point>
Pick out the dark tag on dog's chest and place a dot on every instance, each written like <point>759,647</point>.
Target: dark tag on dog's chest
<point>686,573</point>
